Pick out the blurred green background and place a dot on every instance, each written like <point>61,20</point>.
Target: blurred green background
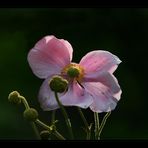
<point>122,31</point>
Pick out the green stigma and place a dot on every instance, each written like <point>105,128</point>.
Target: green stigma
<point>73,72</point>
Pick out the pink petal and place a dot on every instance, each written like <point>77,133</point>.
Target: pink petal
<point>106,79</point>
<point>69,47</point>
<point>99,61</point>
<point>103,99</point>
<point>49,56</point>
<point>76,96</point>
<point>118,95</point>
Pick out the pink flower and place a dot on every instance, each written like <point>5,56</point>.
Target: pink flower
<point>94,86</point>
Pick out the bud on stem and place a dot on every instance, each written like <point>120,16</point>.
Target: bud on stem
<point>30,114</point>
<point>14,97</point>
<point>58,84</point>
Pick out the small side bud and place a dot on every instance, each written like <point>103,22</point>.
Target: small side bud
<point>14,97</point>
<point>58,84</point>
<point>30,114</point>
<point>45,134</point>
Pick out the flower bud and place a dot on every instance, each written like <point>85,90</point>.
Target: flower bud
<point>30,114</point>
<point>58,84</point>
<point>14,97</point>
<point>45,134</point>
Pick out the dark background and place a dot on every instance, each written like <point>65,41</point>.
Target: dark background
<point>122,31</point>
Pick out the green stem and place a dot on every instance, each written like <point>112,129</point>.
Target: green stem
<point>58,135</point>
<point>53,117</point>
<point>103,123</point>
<point>43,125</point>
<point>55,132</point>
<point>96,118</point>
<point>25,102</point>
<point>35,130</point>
<point>67,120</point>
<point>88,130</point>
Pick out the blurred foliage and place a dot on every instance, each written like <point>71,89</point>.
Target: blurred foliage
<point>122,31</point>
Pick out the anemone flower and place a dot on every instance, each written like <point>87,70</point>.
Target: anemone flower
<point>91,82</point>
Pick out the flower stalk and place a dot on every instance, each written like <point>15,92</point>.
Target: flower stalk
<point>25,102</point>
<point>53,117</point>
<point>67,120</point>
<point>87,127</point>
<point>50,129</point>
<point>96,119</point>
<point>103,123</point>
<point>35,130</point>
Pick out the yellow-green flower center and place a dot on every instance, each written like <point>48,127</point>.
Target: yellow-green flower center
<point>73,71</point>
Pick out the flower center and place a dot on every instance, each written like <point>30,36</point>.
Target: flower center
<point>74,71</point>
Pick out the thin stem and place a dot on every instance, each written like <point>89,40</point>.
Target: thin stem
<point>35,130</point>
<point>67,120</point>
<point>53,117</point>
<point>96,118</point>
<point>25,102</point>
<point>103,123</point>
<point>88,130</point>
<point>43,125</point>
<point>58,135</point>
<point>55,132</point>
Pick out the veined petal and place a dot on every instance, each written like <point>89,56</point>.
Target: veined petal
<point>76,96</point>
<point>69,47</point>
<point>106,79</point>
<point>99,61</point>
<point>103,99</point>
<point>49,56</point>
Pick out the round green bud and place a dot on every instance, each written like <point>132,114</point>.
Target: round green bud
<point>30,114</point>
<point>14,97</point>
<point>73,72</point>
<point>58,84</point>
<point>45,134</point>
